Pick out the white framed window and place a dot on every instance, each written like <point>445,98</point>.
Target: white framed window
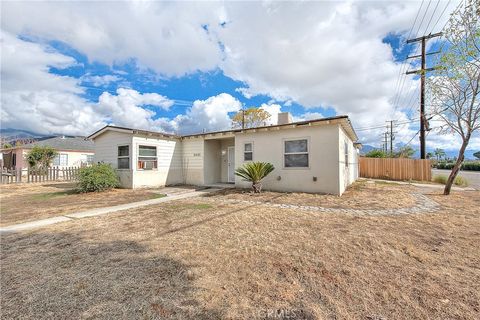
<point>248,151</point>
<point>346,153</point>
<point>89,159</point>
<point>86,159</point>
<point>61,160</point>
<point>295,153</point>
<point>147,158</point>
<point>123,157</point>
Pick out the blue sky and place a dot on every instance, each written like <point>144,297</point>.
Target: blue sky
<point>183,90</point>
<point>71,67</point>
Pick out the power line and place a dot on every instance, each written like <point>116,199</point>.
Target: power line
<point>402,68</point>
<point>431,17</point>
<point>412,138</point>
<point>383,126</point>
<point>424,14</point>
<point>440,16</point>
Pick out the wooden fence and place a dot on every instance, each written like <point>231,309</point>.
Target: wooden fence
<point>19,175</point>
<point>396,169</point>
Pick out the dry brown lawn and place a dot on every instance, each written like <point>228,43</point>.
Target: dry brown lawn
<point>200,259</point>
<point>26,202</point>
<point>360,195</point>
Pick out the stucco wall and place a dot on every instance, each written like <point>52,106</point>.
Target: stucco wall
<point>193,161</point>
<point>106,150</point>
<point>212,161</point>
<point>169,168</point>
<point>348,174</point>
<point>323,159</point>
<point>106,147</point>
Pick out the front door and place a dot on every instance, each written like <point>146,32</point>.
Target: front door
<point>231,164</point>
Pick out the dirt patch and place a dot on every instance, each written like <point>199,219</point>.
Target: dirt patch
<point>194,259</point>
<point>33,202</point>
<point>360,195</point>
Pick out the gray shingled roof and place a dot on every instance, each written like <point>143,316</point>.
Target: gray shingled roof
<point>64,143</point>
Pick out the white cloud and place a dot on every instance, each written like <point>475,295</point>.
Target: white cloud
<point>211,114</point>
<point>126,107</point>
<point>34,99</point>
<point>274,109</point>
<point>165,36</point>
<point>326,54</point>
<point>100,81</point>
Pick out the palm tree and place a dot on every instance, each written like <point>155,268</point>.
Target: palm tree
<point>255,172</point>
<point>439,153</point>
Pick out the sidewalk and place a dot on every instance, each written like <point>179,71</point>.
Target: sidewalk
<point>102,211</point>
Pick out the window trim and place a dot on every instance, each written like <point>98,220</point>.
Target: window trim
<point>285,153</point>
<point>123,157</point>
<point>244,152</point>
<point>346,153</point>
<point>59,157</point>
<point>138,156</point>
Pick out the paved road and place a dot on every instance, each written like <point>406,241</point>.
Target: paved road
<point>473,177</point>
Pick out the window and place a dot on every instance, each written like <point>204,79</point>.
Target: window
<point>86,159</point>
<point>123,157</point>
<point>147,157</point>
<point>346,153</point>
<point>61,160</point>
<point>248,151</point>
<point>89,159</point>
<point>296,153</point>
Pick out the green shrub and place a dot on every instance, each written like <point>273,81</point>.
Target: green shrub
<point>471,165</point>
<point>98,177</point>
<point>459,181</point>
<point>255,172</point>
<point>376,153</point>
<point>440,179</point>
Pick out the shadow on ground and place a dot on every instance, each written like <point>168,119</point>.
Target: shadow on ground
<point>60,275</point>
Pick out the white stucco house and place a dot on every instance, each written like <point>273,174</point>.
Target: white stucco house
<point>316,156</point>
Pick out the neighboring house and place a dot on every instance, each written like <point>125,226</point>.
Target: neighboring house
<point>315,156</point>
<point>72,152</point>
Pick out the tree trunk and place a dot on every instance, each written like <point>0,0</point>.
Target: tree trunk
<point>257,187</point>
<point>456,167</point>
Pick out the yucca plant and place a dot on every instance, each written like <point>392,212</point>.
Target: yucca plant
<point>255,172</point>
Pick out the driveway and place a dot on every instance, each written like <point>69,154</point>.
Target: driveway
<point>473,177</point>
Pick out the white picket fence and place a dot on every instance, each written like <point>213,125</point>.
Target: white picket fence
<point>19,175</point>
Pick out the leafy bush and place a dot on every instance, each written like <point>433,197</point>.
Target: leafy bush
<point>440,179</point>
<point>40,158</point>
<point>459,181</point>
<point>376,154</point>
<point>255,172</point>
<point>98,177</point>
<point>470,165</point>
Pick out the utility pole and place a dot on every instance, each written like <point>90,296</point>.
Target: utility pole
<point>392,135</point>
<point>422,73</point>
<point>385,142</point>
<point>243,118</point>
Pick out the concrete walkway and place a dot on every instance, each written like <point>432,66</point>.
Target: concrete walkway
<point>423,204</point>
<point>101,211</point>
